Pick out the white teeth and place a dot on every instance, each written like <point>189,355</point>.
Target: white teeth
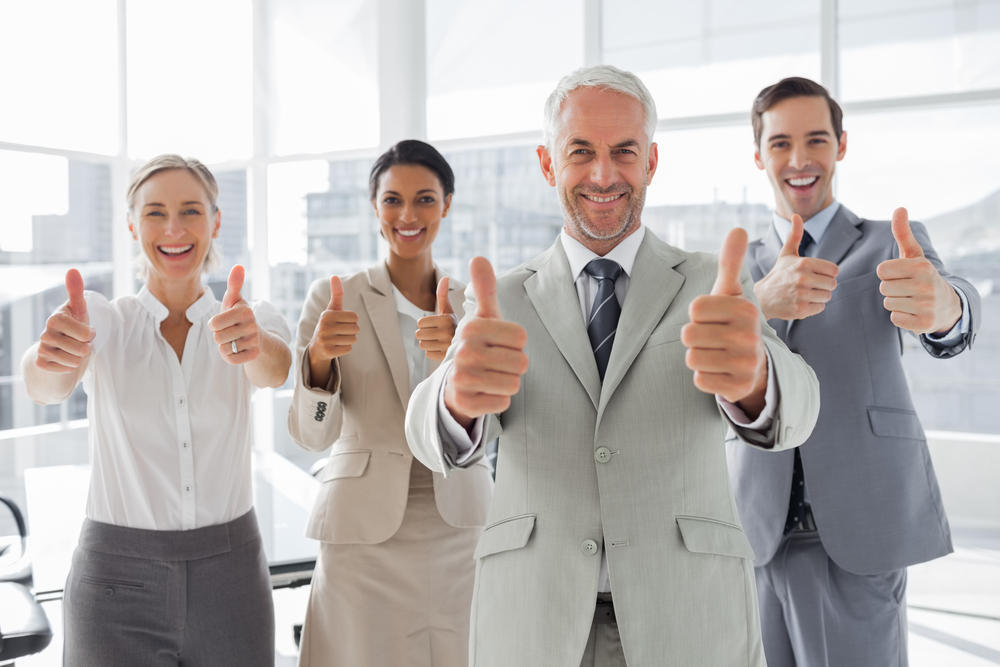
<point>176,250</point>
<point>601,200</point>
<point>799,182</point>
<point>409,232</point>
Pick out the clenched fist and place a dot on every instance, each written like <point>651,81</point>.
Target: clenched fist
<point>68,338</point>
<point>435,332</point>
<point>335,335</point>
<point>796,287</point>
<point>489,360</point>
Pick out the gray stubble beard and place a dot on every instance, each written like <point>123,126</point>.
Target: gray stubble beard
<point>578,222</point>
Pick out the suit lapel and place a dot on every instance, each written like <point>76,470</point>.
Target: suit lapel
<point>552,292</point>
<point>840,236</point>
<point>651,288</point>
<point>382,312</point>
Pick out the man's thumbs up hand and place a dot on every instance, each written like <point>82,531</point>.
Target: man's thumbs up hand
<point>489,358</point>
<point>435,332</point>
<point>235,328</point>
<point>68,337</point>
<point>725,347</point>
<point>796,287</point>
<point>915,293</point>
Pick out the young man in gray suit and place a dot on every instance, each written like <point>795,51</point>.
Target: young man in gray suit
<point>613,532</point>
<point>835,523</point>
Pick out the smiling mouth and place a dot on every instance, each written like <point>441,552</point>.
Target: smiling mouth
<point>603,200</point>
<point>410,233</point>
<point>175,250</point>
<point>802,182</point>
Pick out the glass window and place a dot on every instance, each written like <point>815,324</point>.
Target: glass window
<point>491,65</point>
<point>897,48</point>
<point>59,74</point>
<point>326,75</point>
<point>711,56</point>
<point>190,79</point>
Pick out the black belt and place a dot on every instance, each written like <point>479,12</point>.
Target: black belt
<point>604,612</point>
<point>807,523</point>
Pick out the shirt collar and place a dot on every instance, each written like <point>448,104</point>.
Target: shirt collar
<point>580,255</point>
<point>406,307</point>
<point>205,304</point>
<point>816,225</point>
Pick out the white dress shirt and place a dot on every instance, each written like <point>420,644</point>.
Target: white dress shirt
<point>169,440</point>
<point>579,256</point>
<point>416,359</point>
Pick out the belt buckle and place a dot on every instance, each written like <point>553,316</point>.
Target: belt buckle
<point>604,611</point>
<point>808,522</point>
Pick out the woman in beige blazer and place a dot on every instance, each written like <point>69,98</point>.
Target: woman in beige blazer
<point>393,582</point>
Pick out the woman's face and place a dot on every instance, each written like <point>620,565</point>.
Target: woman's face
<point>410,203</point>
<point>175,223</point>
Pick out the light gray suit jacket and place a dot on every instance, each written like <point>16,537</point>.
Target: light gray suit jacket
<point>679,562</point>
<point>868,472</point>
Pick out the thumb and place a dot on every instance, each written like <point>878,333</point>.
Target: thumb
<point>443,305</point>
<point>791,247</point>
<point>233,287</point>
<point>484,286</point>
<point>336,294</point>
<point>734,248</point>
<point>908,246</point>
<point>74,288</point>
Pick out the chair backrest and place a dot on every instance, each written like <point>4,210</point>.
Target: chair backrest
<point>14,563</point>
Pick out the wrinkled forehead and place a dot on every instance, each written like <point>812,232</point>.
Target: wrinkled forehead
<point>599,116</point>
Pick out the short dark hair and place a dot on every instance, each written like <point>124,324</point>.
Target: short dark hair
<point>793,86</point>
<point>415,152</point>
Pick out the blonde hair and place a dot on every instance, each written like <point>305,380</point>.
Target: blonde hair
<point>167,162</point>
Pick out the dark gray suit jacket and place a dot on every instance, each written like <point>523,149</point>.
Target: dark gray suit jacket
<point>868,473</point>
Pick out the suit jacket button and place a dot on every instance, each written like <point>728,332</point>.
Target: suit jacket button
<point>589,547</point>
<point>603,454</point>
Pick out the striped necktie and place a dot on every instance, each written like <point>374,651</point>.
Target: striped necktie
<point>605,312</point>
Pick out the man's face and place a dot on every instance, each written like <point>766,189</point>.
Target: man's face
<point>601,162</point>
<point>799,152</point>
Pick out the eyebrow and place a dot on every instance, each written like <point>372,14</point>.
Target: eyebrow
<point>187,203</point>
<point>814,133</point>
<point>393,192</point>
<point>628,143</point>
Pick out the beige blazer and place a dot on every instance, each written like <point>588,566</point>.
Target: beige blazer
<point>639,461</point>
<point>364,486</point>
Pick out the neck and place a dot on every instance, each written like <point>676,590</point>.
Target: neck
<point>786,212</point>
<point>414,277</point>
<point>602,247</point>
<point>176,295</point>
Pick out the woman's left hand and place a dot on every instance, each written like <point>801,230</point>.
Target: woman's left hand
<point>235,327</point>
<point>436,331</point>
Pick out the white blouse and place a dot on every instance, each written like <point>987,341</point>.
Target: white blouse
<point>169,441</point>
<point>416,359</point>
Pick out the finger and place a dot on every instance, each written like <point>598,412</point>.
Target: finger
<point>908,246</point>
<point>484,287</point>
<point>433,324</point>
<point>234,287</point>
<point>336,294</point>
<point>821,266</point>
<point>734,249</point>
<point>791,247</point>
<point>901,304</point>
<point>74,288</point>
<point>443,305</point>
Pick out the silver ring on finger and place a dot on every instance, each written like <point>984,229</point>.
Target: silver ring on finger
<point>235,349</point>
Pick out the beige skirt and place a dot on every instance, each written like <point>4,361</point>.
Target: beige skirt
<point>404,602</point>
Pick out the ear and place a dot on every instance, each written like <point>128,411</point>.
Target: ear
<point>131,230</point>
<point>447,206</point>
<point>217,224</point>
<point>654,160</point>
<point>545,162</point>
<point>842,149</point>
<point>756,157</point>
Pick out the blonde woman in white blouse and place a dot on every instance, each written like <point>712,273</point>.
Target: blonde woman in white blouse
<point>170,567</point>
<point>393,582</point>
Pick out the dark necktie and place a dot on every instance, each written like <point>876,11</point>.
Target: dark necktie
<point>797,502</point>
<point>605,312</point>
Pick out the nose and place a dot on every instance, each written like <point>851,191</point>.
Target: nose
<point>174,229</point>
<point>799,158</point>
<point>603,172</point>
<point>408,214</point>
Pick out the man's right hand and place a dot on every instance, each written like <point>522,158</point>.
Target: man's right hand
<point>68,338</point>
<point>489,355</point>
<point>796,287</point>
<point>335,335</point>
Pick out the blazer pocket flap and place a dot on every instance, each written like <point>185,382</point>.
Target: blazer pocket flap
<point>663,335</point>
<point>505,535</point>
<point>707,536</point>
<point>351,463</point>
<point>895,423</point>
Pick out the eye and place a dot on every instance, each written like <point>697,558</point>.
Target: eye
<point>427,199</point>
<point>192,211</point>
<point>150,214</point>
<point>626,151</point>
<point>818,140</point>
<point>390,201</point>
<point>779,145</point>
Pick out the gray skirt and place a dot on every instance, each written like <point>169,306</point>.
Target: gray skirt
<point>167,598</point>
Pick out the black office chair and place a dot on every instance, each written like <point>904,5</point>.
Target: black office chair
<point>24,627</point>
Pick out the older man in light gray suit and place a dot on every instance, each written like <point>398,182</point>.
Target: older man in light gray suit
<point>613,536</point>
<point>835,523</point>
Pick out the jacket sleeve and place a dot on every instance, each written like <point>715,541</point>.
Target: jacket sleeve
<point>316,415</point>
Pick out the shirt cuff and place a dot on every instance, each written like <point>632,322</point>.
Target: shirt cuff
<point>459,441</point>
<point>763,422</point>
<point>958,331</point>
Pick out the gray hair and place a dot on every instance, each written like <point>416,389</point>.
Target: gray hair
<point>167,162</point>
<point>606,77</point>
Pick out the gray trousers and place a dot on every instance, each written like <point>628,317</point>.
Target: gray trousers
<point>193,598</point>
<point>813,613</point>
<point>604,647</point>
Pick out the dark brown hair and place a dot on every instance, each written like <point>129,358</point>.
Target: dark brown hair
<point>786,89</point>
<point>413,152</point>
